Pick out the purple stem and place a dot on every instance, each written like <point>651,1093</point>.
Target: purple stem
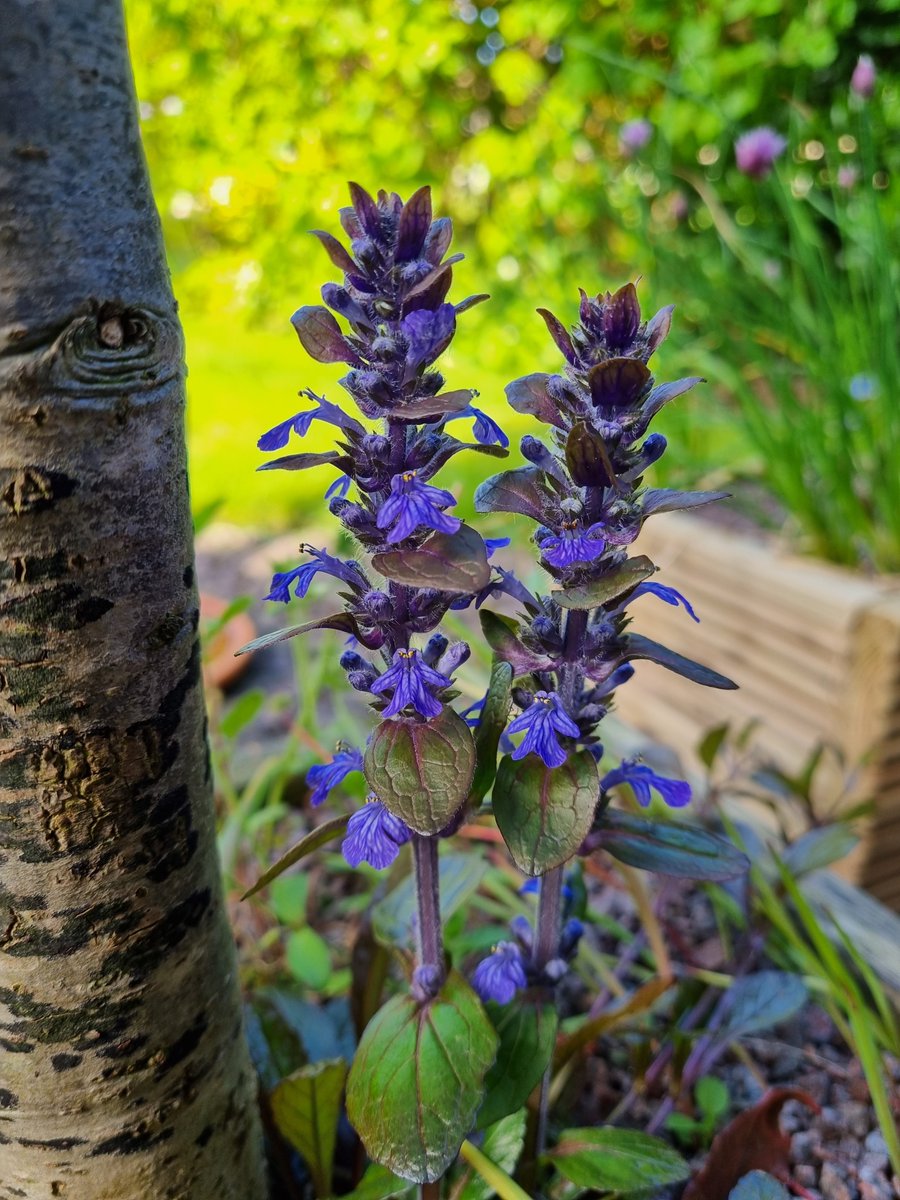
<point>429,974</point>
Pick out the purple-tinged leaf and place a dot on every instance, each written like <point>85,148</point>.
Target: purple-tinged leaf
<point>421,771</point>
<point>587,457</point>
<point>501,634</point>
<point>300,462</point>
<point>660,500</point>
<point>658,328</point>
<point>341,257</point>
<point>560,336</point>
<point>451,446</point>
<point>471,301</point>
<point>350,222</point>
<point>342,622</point>
<point>529,395</point>
<point>521,490</point>
<point>417,1079</point>
<point>618,383</point>
<point>758,1002</point>
<point>310,842</point>
<point>320,335</point>
<point>661,395</point>
<point>451,562</point>
<point>668,847</point>
<point>607,587</point>
<point>621,317</point>
<point>437,241</point>
<point>415,222</point>
<point>643,647</point>
<point>431,291</point>
<point>545,813</point>
<point>432,408</point>
<point>366,210</point>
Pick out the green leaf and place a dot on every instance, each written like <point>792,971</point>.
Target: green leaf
<point>820,848</point>
<point>712,1098</point>
<point>494,714</point>
<point>643,647</point>
<point>418,1078</point>
<point>757,1002</point>
<point>503,1143</point>
<point>393,917</point>
<point>451,562</point>
<point>320,836</point>
<point>711,743</point>
<point>545,813</point>
<point>289,899</point>
<point>671,849</point>
<point>379,1183</point>
<point>608,587</point>
<point>308,957</point>
<point>421,771</point>
<point>241,713</point>
<point>527,1034</point>
<point>759,1185</point>
<point>621,1161</point>
<point>501,634</point>
<point>306,1106</point>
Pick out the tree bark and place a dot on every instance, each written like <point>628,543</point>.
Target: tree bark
<point>123,1070</point>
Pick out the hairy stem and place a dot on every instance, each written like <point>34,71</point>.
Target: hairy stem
<point>429,939</point>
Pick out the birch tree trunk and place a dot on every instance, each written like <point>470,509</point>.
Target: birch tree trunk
<point>123,1070</point>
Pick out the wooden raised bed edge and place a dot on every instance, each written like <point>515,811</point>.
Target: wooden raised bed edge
<point>815,650</point>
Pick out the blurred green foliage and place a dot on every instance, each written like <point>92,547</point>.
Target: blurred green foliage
<point>255,115</point>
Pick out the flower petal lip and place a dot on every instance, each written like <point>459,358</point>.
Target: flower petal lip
<point>374,836</point>
<point>501,975</point>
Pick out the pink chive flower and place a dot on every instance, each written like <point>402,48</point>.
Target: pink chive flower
<point>862,81</point>
<point>847,177</point>
<point>634,136</point>
<point>756,151</point>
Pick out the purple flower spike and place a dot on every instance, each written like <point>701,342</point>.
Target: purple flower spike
<point>573,545</point>
<point>668,594</point>
<point>755,152</point>
<point>349,572</point>
<point>410,679</point>
<point>634,136</point>
<point>428,334</point>
<point>492,545</point>
<point>862,81</point>
<point>499,977</point>
<point>326,776</point>
<point>374,836</point>
<point>413,504</point>
<point>541,722</point>
<point>675,792</point>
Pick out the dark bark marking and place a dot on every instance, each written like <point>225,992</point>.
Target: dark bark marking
<point>203,1137</point>
<point>62,607</point>
<point>65,1062</point>
<point>124,1049</point>
<point>188,577</point>
<point>78,929</point>
<point>146,952</point>
<point>131,1141</point>
<point>95,1024</point>
<point>16,1047</point>
<point>8,1099</point>
<point>183,1046</point>
<point>68,1143</point>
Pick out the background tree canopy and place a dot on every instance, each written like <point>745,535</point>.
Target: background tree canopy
<point>254,116</point>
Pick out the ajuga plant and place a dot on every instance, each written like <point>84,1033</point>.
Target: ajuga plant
<point>445,1055</point>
